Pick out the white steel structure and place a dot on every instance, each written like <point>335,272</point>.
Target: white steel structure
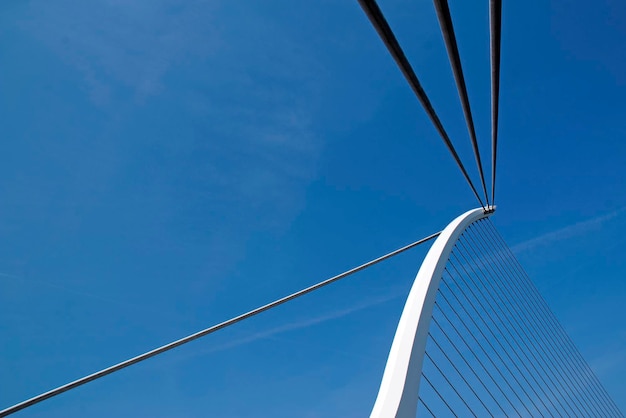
<point>474,329</point>
<point>399,390</point>
<point>515,358</point>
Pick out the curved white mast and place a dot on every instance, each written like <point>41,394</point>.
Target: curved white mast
<point>399,389</point>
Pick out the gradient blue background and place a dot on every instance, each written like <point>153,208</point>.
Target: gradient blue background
<point>167,164</point>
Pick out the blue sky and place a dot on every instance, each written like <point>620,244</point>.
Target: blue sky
<point>166,165</point>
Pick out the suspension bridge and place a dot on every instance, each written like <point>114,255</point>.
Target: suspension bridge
<point>475,338</point>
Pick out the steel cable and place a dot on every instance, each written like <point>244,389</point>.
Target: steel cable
<point>447,31</point>
<point>605,402</point>
<point>542,305</point>
<point>432,338</point>
<point>491,361</point>
<point>376,17</point>
<point>119,366</point>
<point>510,341</point>
<point>426,406</point>
<point>439,394</point>
<point>551,322</point>
<point>496,351</point>
<point>519,339</point>
<point>495,19</point>
<point>515,301</point>
<point>550,370</point>
<point>515,364</point>
<point>467,363</point>
<point>450,384</point>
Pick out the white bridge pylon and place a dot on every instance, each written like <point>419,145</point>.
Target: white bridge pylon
<point>399,390</point>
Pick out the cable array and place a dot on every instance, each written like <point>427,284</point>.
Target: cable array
<point>378,20</point>
<point>447,30</point>
<point>495,348</point>
<point>370,7</point>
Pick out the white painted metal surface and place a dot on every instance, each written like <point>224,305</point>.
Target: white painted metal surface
<point>399,389</point>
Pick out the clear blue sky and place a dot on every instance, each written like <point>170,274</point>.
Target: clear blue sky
<point>168,164</point>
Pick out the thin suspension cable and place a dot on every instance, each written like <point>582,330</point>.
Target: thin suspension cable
<point>520,300</point>
<point>447,30</point>
<point>492,332</point>
<point>419,399</point>
<point>484,291</point>
<point>189,338</point>
<point>498,341</point>
<point>375,15</point>
<point>495,18</point>
<point>508,384</point>
<point>516,301</point>
<point>467,363</point>
<point>515,348</point>
<point>560,331</point>
<point>438,394</point>
<point>489,343</point>
<point>434,319</point>
<point>596,387</point>
<point>549,320</point>
<point>432,338</point>
<point>544,354</point>
<point>540,304</point>
<point>510,341</point>
<point>450,384</point>
<point>512,262</point>
<point>471,334</point>
<point>523,343</point>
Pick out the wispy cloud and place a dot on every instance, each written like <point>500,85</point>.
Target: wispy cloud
<point>305,323</point>
<point>131,43</point>
<point>566,232</point>
<point>612,362</point>
<point>293,326</point>
<point>241,97</point>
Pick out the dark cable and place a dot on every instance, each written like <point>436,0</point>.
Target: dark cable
<point>494,349</point>
<point>508,340</point>
<point>557,347</point>
<point>375,15</point>
<point>528,309</point>
<point>495,18</point>
<point>515,300</point>
<point>490,345</point>
<point>490,314</point>
<point>512,337</point>
<point>450,384</point>
<point>427,408</point>
<point>559,331</point>
<point>447,30</point>
<point>471,334</point>
<point>432,338</point>
<point>551,338</point>
<point>528,340</point>
<point>556,328</point>
<point>439,394</point>
<point>467,363</point>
